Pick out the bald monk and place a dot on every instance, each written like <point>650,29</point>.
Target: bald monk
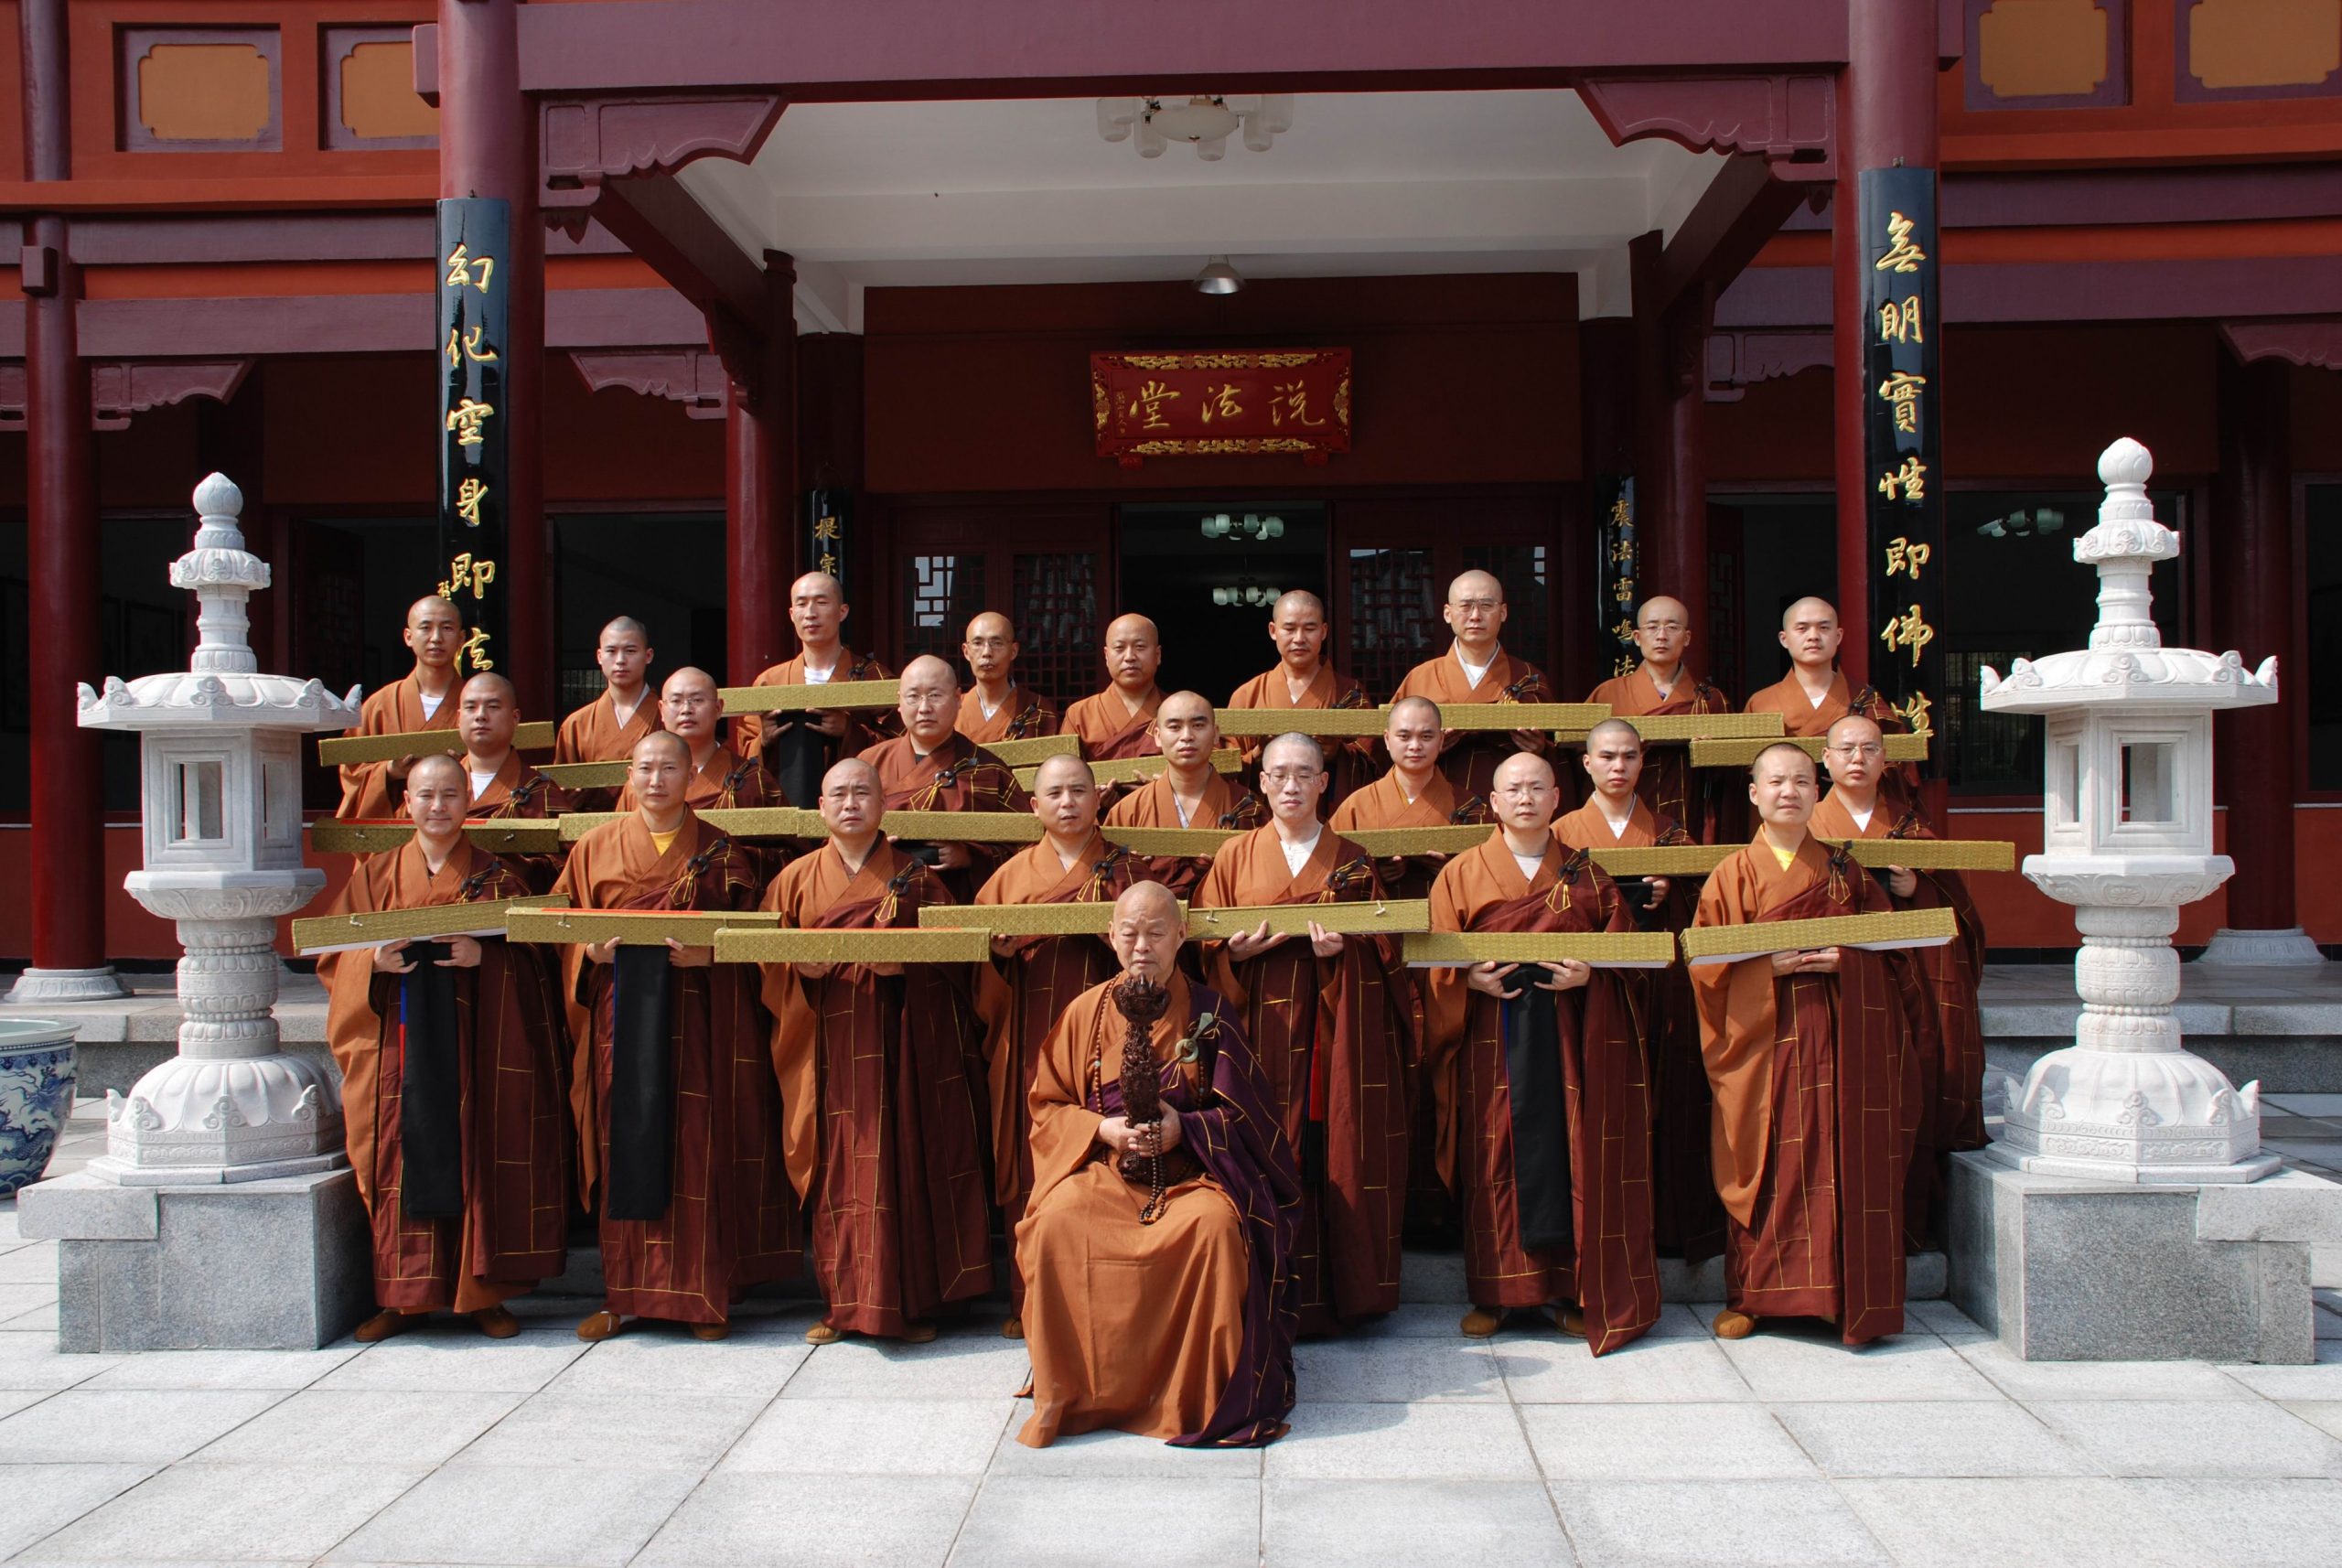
<point>1549,1141</point>
<point>1177,1323</point>
<point>996,707</point>
<point>1476,668</point>
<point>677,1120</point>
<point>1332,1019</point>
<point>606,729</point>
<point>1119,721</point>
<point>1687,1220</point>
<point>503,787</point>
<point>421,700</point>
<point>1815,1082</point>
<point>1951,1050</point>
<point>1663,683</point>
<point>1814,695</point>
<point>884,1136</point>
<point>1032,980</point>
<point>1188,793</point>
<point>932,767</point>
<point>430,1037</point>
<point>797,748</point>
<point>691,707</point>
<point>1304,680</point>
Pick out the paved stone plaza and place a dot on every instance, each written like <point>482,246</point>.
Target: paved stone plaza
<point>1411,1446</point>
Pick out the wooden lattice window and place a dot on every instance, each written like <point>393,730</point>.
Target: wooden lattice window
<point>1057,625</point>
<point>941,593</point>
<point>1393,618</point>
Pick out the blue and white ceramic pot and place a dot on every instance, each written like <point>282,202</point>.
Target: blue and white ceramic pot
<point>35,1096</point>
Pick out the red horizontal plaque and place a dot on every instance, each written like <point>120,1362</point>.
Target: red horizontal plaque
<point>1190,405</point>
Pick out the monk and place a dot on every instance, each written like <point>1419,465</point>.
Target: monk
<point>420,700</point>
<point>1814,695</point>
<point>1332,1019</point>
<point>797,748</point>
<point>1303,679</point>
<point>1663,684</point>
<point>884,1141</point>
<point>1188,793</point>
<point>606,729</point>
<point>678,1120</point>
<point>1167,1316</point>
<point>1810,1057</point>
<point>487,714</point>
<point>932,767</point>
<point>691,707</point>
<point>1032,980</point>
<point>1476,668</point>
<point>1951,1050</point>
<point>996,707</point>
<point>1687,1221</point>
<point>1119,721</point>
<point>449,1052</point>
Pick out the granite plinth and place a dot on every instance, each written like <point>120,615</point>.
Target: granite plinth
<point>2069,1270</point>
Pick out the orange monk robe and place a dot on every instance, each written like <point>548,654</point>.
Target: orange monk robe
<point>1816,1097</point>
<point>958,776</point>
<point>593,734</point>
<point>731,1220</point>
<point>513,1128</point>
<point>1347,761</point>
<point>1670,785</point>
<point>1550,1143</point>
<point>865,727</point>
<point>1800,715</point>
<point>1952,1051</point>
<point>1108,728</point>
<point>1686,1216</point>
<point>1023,716</point>
<point>1334,1035</point>
<point>724,781</point>
<point>1471,763</point>
<point>1225,804</point>
<point>1019,996</point>
<point>520,791</point>
<point>394,709</point>
<point>1179,1325</point>
<point>884,1129</point>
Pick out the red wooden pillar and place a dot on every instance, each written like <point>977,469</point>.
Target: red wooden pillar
<point>2254,600</point>
<point>1671,460</point>
<point>487,146</point>
<point>760,484</point>
<point>68,877</point>
<point>1886,118</point>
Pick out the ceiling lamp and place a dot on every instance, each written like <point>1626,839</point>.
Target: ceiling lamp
<point>1219,525</point>
<point>1218,277</point>
<point>1244,594</point>
<point>1204,122</point>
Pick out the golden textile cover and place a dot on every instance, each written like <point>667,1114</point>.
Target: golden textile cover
<point>587,775</point>
<point>1604,949</point>
<point>1741,753</point>
<point>1302,721</point>
<point>1395,916</point>
<point>515,835</point>
<point>761,700</point>
<point>1664,860</point>
<point>1901,928</point>
<point>1934,855</point>
<point>962,827</point>
<point>1673,727</point>
<point>1168,842</point>
<point>692,928</point>
<point>340,750</point>
<point>1139,769</point>
<point>850,946</point>
<point>1034,752</point>
<point>428,922</point>
<point>1507,716</point>
<point>1072,919</point>
<point>1452,838</point>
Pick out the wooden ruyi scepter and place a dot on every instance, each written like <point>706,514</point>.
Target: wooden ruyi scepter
<point>1141,1002</point>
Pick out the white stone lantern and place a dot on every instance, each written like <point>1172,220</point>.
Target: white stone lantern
<point>220,783</point>
<point>2127,839</point>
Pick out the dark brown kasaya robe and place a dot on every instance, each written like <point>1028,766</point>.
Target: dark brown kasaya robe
<point>686,1229</point>
<point>799,755</point>
<point>885,1135</point>
<point>519,792</point>
<point>394,709</point>
<point>1334,1035</point>
<point>1687,1216</point>
<point>482,1102</point>
<point>593,734</point>
<point>1180,1325</point>
<point>1550,1147</point>
<point>1021,994</point>
<point>1349,763</point>
<point>1670,785</point>
<point>1900,785</point>
<point>1225,804</point>
<point>1815,1100</point>
<point>1950,1050</point>
<point>1107,727</point>
<point>1026,715</point>
<point>957,776</point>
<point>1471,763</point>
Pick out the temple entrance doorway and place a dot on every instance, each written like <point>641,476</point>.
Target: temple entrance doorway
<point>1209,573</point>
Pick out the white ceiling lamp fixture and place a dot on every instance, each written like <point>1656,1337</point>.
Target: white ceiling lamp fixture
<point>1218,277</point>
<point>1203,122</point>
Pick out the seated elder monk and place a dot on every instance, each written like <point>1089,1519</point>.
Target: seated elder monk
<point>1158,1256</point>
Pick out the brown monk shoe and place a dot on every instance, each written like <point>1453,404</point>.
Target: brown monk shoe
<point>824,1334</point>
<point>1731,1324</point>
<point>1013,1328</point>
<point>385,1325</point>
<point>918,1333</point>
<point>711,1331</point>
<point>599,1326</point>
<point>1482,1322</point>
<point>1571,1321</point>
<point>496,1323</point>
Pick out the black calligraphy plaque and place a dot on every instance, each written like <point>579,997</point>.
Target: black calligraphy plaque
<point>1902,441</point>
<point>828,519</point>
<point>475,238</point>
<point>1614,500</point>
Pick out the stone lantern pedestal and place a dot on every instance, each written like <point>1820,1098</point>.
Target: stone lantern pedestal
<point>2128,1210</point>
<point>223,1212</point>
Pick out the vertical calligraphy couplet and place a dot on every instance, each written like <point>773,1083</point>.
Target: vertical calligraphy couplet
<point>1902,441</point>
<point>475,237</point>
<point>828,519</point>
<point>1614,496</point>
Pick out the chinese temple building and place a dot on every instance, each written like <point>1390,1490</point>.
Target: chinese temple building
<point>1733,300</point>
